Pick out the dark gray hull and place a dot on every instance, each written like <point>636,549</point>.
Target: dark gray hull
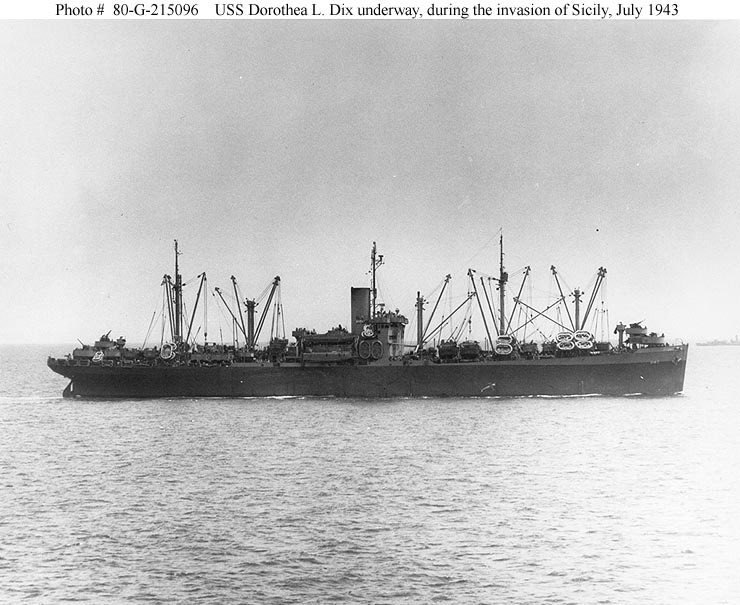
<point>658,371</point>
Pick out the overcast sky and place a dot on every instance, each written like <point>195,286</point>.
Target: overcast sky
<point>287,147</point>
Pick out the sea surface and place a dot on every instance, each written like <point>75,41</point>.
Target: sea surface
<point>278,501</point>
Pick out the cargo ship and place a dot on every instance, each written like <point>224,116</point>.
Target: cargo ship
<point>371,358</point>
<point>735,342</point>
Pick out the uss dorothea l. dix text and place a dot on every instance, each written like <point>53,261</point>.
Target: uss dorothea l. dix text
<point>476,9</point>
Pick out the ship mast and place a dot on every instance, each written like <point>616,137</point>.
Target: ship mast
<point>419,321</point>
<point>177,336</point>
<point>375,261</point>
<point>502,279</point>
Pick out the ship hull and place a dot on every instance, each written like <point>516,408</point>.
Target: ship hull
<point>657,371</point>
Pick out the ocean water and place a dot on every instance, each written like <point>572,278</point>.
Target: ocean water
<point>529,500</point>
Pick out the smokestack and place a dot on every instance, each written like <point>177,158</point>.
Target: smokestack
<point>360,309</point>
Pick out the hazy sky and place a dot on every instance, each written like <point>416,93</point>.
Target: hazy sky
<point>287,147</point>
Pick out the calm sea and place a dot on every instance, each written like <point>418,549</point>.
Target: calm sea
<point>533,500</point>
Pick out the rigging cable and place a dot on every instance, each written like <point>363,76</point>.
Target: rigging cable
<point>185,318</point>
<point>148,332</point>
